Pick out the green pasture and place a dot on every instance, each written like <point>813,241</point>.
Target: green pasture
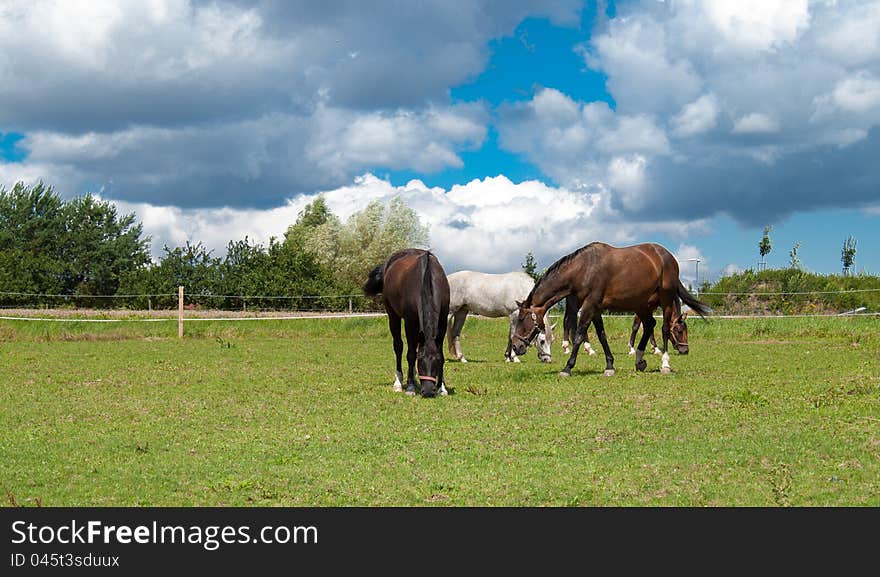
<point>775,412</point>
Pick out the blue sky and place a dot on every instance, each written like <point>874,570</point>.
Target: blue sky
<point>509,127</point>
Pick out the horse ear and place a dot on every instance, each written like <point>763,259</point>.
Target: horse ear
<point>518,304</point>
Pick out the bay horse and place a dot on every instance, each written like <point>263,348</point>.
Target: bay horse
<point>414,288</point>
<point>638,278</point>
<point>569,322</point>
<point>493,296</point>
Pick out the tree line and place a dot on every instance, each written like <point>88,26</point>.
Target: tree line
<point>82,248</point>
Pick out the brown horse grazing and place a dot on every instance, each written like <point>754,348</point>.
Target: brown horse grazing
<point>415,289</point>
<point>601,277</point>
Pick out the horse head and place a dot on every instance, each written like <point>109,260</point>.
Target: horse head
<point>429,364</point>
<point>529,325</point>
<point>679,333</point>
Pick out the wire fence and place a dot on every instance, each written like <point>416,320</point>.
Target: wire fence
<point>201,305</point>
<point>193,301</point>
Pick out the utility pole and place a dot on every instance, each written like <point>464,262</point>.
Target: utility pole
<point>696,262</point>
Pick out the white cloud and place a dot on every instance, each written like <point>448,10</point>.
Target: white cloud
<point>488,224</point>
<point>755,24</point>
<point>697,117</point>
<point>643,74</point>
<point>731,269</point>
<point>738,100</point>
<point>755,123</point>
<point>859,92</point>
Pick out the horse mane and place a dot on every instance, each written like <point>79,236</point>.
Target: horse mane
<point>552,270</point>
<point>426,298</point>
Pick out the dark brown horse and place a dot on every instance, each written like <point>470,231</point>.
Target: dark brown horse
<point>414,288</point>
<point>601,277</point>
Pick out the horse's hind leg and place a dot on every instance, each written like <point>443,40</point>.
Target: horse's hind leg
<point>637,322</point>
<point>509,355</point>
<point>603,340</point>
<point>657,350</point>
<point>587,314</point>
<point>569,320</point>
<point>648,324</point>
<point>454,337</point>
<point>394,325</point>
<point>667,324</point>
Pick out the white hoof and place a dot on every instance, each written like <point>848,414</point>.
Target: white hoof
<point>506,359</point>
<point>397,387</point>
<point>592,353</point>
<point>665,370</point>
<point>464,360</point>
<point>516,359</point>
<point>657,351</point>
<point>632,351</point>
<point>609,372</point>
<point>443,391</point>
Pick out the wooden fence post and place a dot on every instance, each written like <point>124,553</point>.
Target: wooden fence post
<point>180,312</point>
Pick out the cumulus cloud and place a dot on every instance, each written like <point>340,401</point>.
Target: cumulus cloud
<point>755,123</point>
<point>203,103</point>
<point>696,117</point>
<point>487,224</point>
<point>755,109</point>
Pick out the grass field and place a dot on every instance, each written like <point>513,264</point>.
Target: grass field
<point>775,412</point>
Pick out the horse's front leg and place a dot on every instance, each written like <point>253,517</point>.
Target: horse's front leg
<point>648,323</point>
<point>394,325</point>
<point>441,330</point>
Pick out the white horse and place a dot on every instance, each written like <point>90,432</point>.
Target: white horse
<point>491,295</point>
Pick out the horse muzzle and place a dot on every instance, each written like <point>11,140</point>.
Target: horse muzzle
<point>682,349</point>
<point>429,386</point>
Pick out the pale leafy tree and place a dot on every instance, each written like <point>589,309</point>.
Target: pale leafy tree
<point>848,255</point>
<point>366,239</point>
<point>764,246</point>
<point>794,260</point>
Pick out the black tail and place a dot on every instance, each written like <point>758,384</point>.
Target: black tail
<point>375,281</point>
<point>426,303</point>
<point>690,300</point>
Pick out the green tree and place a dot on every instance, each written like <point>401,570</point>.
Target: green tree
<point>764,246</point>
<point>848,255</point>
<point>244,271</point>
<point>530,266</point>
<point>77,247</point>
<point>31,232</point>
<point>99,246</point>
